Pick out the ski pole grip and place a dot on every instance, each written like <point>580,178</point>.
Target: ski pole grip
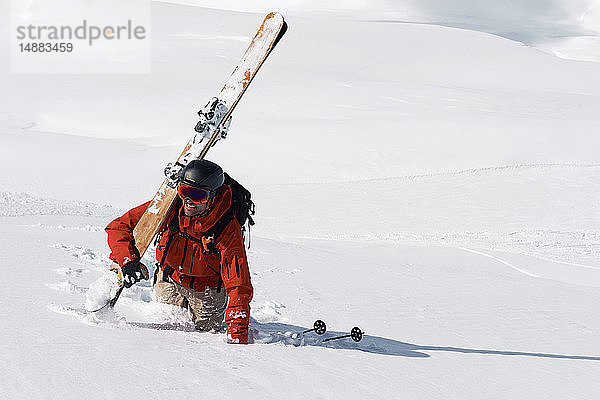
<point>145,273</point>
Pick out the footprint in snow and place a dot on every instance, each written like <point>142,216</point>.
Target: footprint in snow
<point>67,286</point>
<point>70,272</point>
<point>82,253</point>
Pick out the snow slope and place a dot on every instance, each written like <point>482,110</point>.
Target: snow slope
<point>436,186</point>
<point>567,28</point>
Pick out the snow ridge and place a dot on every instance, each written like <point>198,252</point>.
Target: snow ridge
<point>22,204</point>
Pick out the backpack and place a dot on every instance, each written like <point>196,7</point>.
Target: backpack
<point>241,202</point>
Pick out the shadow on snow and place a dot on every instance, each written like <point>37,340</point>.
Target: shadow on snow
<point>292,335</point>
<point>266,333</point>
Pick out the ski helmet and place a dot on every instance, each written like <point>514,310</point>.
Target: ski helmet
<point>203,174</point>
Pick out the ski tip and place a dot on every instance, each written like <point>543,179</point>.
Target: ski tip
<point>276,15</point>
<point>282,32</point>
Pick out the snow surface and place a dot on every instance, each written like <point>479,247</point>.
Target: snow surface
<point>418,172</point>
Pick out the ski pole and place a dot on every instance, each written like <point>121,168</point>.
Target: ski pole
<point>117,270</point>
<point>319,327</point>
<point>111,303</point>
<point>356,334</point>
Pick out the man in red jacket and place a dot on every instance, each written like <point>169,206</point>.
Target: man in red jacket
<point>202,264</point>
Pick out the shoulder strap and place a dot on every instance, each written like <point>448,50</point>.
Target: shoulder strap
<point>173,224</point>
<point>220,225</point>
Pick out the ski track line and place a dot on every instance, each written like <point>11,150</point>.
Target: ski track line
<point>453,173</point>
<point>500,261</point>
<point>562,262</point>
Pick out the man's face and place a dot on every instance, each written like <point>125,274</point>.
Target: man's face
<point>191,209</point>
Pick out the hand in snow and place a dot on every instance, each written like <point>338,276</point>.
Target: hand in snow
<point>133,273</point>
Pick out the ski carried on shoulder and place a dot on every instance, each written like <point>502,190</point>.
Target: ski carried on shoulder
<point>214,122</point>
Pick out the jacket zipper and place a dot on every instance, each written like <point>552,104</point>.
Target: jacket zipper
<point>193,255</point>
<point>185,246</point>
<point>237,266</point>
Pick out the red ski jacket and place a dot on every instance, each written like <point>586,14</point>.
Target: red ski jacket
<point>187,261</point>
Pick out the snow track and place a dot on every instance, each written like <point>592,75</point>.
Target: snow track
<point>501,261</point>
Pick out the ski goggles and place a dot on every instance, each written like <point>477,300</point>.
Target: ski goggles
<point>194,194</point>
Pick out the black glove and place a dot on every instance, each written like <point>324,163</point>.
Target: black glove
<point>132,273</point>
